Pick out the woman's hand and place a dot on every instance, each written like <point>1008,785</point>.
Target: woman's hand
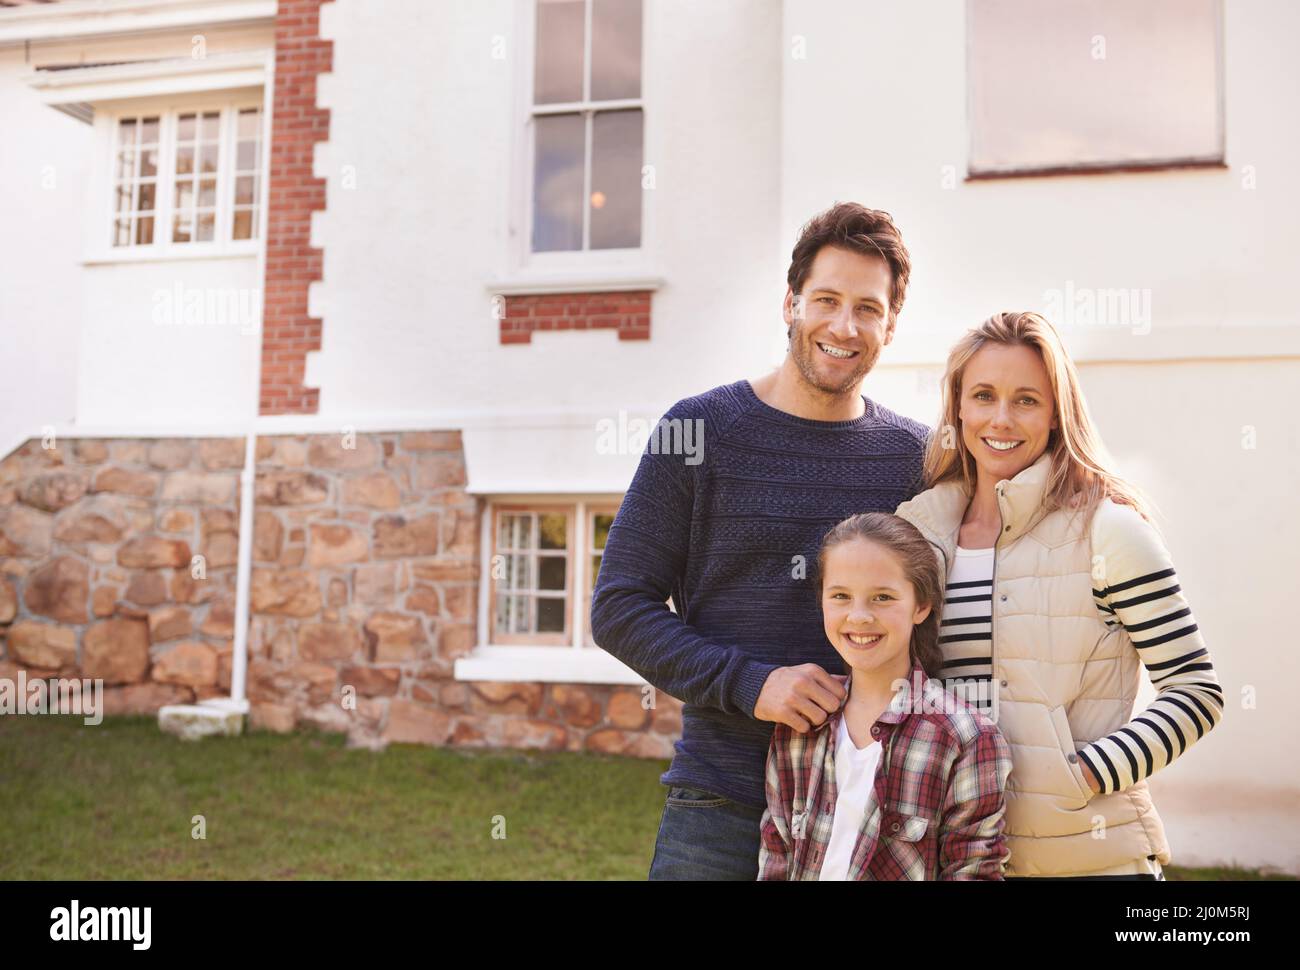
<point>1090,777</point>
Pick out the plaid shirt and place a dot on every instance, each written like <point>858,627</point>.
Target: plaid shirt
<point>937,807</point>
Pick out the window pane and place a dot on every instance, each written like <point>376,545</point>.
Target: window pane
<point>208,192</point>
<point>1113,82</point>
<point>149,162</point>
<point>503,613</point>
<point>144,230</point>
<point>184,159</point>
<point>595,569</point>
<point>122,232</point>
<point>125,164</point>
<point>185,128</point>
<point>184,195</point>
<point>550,615</point>
<point>519,575</point>
<point>558,76</point>
<point>553,530</point>
<point>244,190</point>
<point>124,197</point>
<point>146,196</point>
<point>521,618</point>
<point>615,49</point>
<point>243,227</point>
<point>557,183</point>
<point>207,226</point>
<point>600,530</point>
<point>149,131</point>
<point>513,531</point>
<point>246,156</point>
<point>182,229</point>
<point>208,158</point>
<point>616,180</point>
<point>551,571</point>
<point>250,123</point>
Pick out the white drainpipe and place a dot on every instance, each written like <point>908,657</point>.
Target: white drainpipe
<point>225,715</point>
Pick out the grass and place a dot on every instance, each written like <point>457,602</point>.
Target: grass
<point>117,801</point>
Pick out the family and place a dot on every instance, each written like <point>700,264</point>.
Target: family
<point>902,653</point>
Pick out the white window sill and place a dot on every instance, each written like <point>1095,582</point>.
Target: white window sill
<point>556,665</point>
<point>141,254</point>
<point>593,279</point>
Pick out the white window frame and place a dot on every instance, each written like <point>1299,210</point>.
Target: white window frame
<point>575,268</point>
<point>574,661</point>
<point>168,110</point>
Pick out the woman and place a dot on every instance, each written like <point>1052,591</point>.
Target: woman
<point>1057,590</point>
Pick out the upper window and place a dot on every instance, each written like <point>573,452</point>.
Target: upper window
<point>1094,84</point>
<point>187,177</point>
<point>586,125</point>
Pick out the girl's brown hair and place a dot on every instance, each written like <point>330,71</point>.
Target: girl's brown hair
<point>920,565</point>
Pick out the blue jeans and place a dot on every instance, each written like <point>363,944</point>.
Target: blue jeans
<point>703,836</point>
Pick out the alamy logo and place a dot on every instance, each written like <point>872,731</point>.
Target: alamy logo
<point>1081,306</point>
<point>55,695</point>
<point>95,923</point>
<point>667,436</point>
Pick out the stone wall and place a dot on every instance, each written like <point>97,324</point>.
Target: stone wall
<point>117,561</point>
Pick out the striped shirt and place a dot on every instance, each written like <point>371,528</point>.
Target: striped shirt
<point>1140,593</point>
<point>965,630</point>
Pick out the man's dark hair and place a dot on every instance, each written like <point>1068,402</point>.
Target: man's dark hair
<point>854,227</point>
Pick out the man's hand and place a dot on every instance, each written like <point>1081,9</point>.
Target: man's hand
<point>802,697</point>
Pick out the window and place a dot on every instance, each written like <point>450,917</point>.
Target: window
<point>1094,85</point>
<point>587,126</point>
<point>187,177</point>
<point>543,565</point>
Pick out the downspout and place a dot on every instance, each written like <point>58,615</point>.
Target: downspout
<point>237,702</point>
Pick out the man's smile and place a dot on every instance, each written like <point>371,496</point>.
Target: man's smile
<point>839,353</point>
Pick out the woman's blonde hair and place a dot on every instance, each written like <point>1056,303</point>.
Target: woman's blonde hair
<point>1079,476</point>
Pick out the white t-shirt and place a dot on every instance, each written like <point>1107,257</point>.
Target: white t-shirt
<point>855,776</point>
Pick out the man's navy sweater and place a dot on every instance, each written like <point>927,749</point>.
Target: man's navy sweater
<point>734,539</point>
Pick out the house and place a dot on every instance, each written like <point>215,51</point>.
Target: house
<point>448,261</point>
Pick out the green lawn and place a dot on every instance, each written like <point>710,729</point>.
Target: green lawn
<point>116,802</point>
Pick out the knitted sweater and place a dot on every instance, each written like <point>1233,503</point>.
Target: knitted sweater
<point>732,535</point>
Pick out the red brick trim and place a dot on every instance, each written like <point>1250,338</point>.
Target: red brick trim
<point>627,311</point>
<point>288,333</point>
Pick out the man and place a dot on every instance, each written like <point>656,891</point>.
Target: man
<point>733,534</point>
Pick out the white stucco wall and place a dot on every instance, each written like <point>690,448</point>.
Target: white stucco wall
<point>427,137</point>
<point>87,329</point>
<point>43,162</point>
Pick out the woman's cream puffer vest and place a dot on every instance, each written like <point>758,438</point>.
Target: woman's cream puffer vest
<point>1060,680</point>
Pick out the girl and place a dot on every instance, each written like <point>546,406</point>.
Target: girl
<point>903,781</point>
<point>1058,592</point>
